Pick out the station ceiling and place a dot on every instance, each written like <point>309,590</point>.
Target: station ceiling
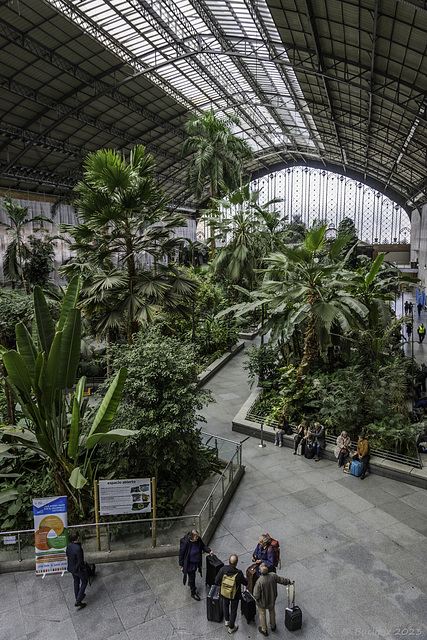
<point>336,84</point>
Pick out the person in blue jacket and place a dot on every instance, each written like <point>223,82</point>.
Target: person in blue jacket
<point>264,554</point>
<point>190,559</point>
<point>77,567</point>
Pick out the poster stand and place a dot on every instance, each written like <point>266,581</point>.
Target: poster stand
<point>96,497</point>
<point>153,504</point>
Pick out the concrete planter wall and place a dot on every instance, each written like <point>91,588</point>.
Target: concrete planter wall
<point>378,465</point>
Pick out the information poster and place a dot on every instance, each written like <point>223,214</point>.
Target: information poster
<point>124,496</point>
<point>51,539</point>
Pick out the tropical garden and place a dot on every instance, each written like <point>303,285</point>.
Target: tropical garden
<point>135,312</point>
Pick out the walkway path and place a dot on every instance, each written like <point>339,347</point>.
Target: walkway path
<point>355,548</point>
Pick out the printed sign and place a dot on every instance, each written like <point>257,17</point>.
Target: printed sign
<point>51,539</point>
<point>124,496</point>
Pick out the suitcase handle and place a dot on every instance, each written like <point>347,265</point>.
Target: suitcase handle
<point>292,586</point>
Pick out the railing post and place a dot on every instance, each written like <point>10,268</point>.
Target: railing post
<point>222,483</point>
<point>200,524</point>
<point>211,507</point>
<point>216,447</point>
<point>262,435</point>
<point>108,538</point>
<point>19,548</point>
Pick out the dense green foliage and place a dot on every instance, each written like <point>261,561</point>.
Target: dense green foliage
<point>160,403</point>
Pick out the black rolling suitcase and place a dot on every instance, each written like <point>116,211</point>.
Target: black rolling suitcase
<point>309,451</point>
<point>248,606</point>
<point>293,614</point>
<point>213,565</point>
<point>214,604</point>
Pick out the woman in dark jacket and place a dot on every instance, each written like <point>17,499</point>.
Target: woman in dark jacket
<point>190,559</point>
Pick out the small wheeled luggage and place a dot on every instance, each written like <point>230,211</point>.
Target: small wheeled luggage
<point>248,606</point>
<point>356,468</point>
<point>309,451</point>
<point>213,565</point>
<point>251,577</point>
<point>293,614</point>
<point>300,449</point>
<point>90,570</point>
<point>214,604</point>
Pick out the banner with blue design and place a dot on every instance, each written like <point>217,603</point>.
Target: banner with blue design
<point>51,538</point>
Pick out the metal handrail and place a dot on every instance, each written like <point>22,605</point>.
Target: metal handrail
<point>237,454</point>
<point>104,524</point>
<point>217,483</point>
<point>212,435</point>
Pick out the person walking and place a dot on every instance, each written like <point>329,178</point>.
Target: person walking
<point>409,329</point>
<point>190,559</point>
<point>363,454</point>
<point>77,567</point>
<point>230,579</point>
<point>265,594</point>
<point>421,333</point>
<point>420,307</point>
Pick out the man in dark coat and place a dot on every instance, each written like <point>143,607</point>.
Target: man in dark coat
<point>190,559</point>
<point>76,566</point>
<point>231,604</point>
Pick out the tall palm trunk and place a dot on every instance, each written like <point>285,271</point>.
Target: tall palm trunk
<point>130,265</point>
<point>212,195</point>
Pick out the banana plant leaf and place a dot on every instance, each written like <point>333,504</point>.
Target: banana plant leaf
<point>69,302</point>
<point>18,373</point>
<point>26,346</point>
<point>70,350</point>
<point>108,406</point>
<point>49,382</point>
<point>44,321</point>
<point>115,435</point>
<point>8,495</point>
<point>73,441</point>
<point>77,479</point>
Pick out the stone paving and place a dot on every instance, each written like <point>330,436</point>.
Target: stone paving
<point>357,550</point>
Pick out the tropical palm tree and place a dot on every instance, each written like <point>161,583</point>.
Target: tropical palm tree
<point>17,251</point>
<point>218,155</point>
<point>312,285</point>
<point>306,285</point>
<point>122,213</point>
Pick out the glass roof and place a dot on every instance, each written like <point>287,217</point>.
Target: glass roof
<point>207,53</point>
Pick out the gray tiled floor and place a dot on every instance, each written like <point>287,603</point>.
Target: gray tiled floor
<point>356,550</point>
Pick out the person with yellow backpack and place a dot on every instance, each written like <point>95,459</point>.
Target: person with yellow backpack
<point>230,579</point>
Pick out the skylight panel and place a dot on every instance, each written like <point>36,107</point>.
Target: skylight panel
<point>158,31</point>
